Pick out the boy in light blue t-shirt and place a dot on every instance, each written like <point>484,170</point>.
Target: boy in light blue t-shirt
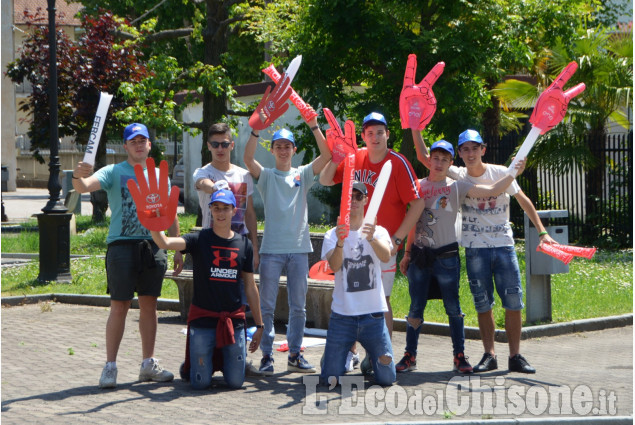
<point>286,241</point>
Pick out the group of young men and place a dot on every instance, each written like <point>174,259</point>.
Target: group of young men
<point>226,253</point>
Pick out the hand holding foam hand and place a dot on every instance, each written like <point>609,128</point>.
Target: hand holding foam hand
<point>552,104</point>
<point>156,211</point>
<point>272,106</point>
<point>417,103</point>
<point>340,144</point>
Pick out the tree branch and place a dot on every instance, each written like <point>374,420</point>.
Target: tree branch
<point>148,12</point>
<point>168,34</point>
<point>240,113</point>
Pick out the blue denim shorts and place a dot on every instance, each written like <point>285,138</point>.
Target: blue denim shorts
<point>486,266</point>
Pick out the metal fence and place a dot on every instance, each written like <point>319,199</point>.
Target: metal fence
<point>567,191</point>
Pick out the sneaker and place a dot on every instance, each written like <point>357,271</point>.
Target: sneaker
<point>251,370</point>
<point>365,366</point>
<point>352,361</point>
<point>407,363</point>
<point>266,366</point>
<point>154,372</point>
<point>487,363</point>
<point>519,364</point>
<point>461,364</point>
<point>298,363</point>
<point>108,377</point>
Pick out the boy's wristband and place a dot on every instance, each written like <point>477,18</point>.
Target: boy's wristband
<point>542,233</point>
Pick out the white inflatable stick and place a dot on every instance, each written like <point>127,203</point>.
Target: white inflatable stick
<point>98,126</point>
<point>378,194</point>
<point>529,142</point>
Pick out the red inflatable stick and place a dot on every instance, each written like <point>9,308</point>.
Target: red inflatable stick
<point>347,192</point>
<point>554,252</point>
<point>340,144</point>
<point>307,112</point>
<point>272,105</point>
<point>156,211</point>
<point>553,103</point>
<point>577,251</point>
<point>417,103</point>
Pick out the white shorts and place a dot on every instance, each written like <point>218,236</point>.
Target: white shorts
<point>388,271</point>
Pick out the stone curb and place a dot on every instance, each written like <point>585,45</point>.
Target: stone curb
<point>399,325</point>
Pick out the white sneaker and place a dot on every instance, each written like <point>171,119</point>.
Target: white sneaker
<point>108,377</point>
<point>352,361</point>
<point>154,372</point>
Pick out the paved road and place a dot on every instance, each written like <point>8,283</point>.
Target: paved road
<point>51,362</point>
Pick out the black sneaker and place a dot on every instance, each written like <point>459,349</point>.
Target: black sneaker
<point>461,364</point>
<point>407,363</point>
<point>519,364</point>
<point>487,363</point>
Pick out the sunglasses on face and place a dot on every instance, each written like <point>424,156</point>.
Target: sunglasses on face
<point>215,145</point>
<point>358,196</point>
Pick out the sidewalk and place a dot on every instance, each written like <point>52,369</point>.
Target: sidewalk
<point>52,355</point>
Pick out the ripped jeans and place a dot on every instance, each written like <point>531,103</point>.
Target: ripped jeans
<point>202,343</point>
<point>447,273</point>
<point>371,331</point>
<point>498,266</point>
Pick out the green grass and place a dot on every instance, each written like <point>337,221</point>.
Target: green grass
<point>599,287</point>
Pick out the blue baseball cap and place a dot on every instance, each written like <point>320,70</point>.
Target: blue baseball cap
<point>133,130</point>
<point>284,134</point>
<point>225,196</point>
<point>443,145</point>
<point>470,136</point>
<point>374,118</point>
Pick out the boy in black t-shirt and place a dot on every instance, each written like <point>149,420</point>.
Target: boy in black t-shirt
<point>217,317</point>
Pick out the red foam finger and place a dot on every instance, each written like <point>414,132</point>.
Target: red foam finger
<point>434,74</point>
<point>565,75</point>
<point>578,251</point>
<point>555,252</point>
<point>411,70</point>
<point>573,92</point>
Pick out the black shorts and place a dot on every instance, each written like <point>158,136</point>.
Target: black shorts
<point>135,266</point>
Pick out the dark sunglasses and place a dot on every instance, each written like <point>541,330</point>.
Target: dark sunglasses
<point>215,145</point>
<point>358,196</point>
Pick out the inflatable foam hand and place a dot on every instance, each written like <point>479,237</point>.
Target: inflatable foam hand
<point>156,211</point>
<point>272,105</point>
<point>417,103</point>
<point>340,144</point>
<point>552,104</point>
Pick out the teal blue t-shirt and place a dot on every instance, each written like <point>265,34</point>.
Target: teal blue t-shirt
<point>124,223</point>
<point>286,219</point>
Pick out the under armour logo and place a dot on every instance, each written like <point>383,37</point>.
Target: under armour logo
<point>231,259</point>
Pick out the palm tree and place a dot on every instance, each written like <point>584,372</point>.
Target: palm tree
<point>605,59</point>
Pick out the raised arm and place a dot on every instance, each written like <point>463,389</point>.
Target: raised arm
<point>422,151</point>
<point>252,165</point>
<point>325,153</point>
<point>495,189</point>
<point>327,174</point>
<point>83,180</point>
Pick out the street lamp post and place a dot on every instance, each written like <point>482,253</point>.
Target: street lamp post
<point>54,223</point>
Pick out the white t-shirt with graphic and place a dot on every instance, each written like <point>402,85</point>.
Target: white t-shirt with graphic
<point>486,220</point>
<point>357,289</point>
<point>240,183</point>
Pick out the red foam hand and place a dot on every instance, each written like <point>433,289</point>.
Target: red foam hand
<point>577,251</point>
<point>340,144</point>
<point>272,106</point>
<point>417,103</point>
<point>156,211</point>
<point>347,191</point>
<point>307,112</point>
<point>552,104</point>
<point>554,252</point>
